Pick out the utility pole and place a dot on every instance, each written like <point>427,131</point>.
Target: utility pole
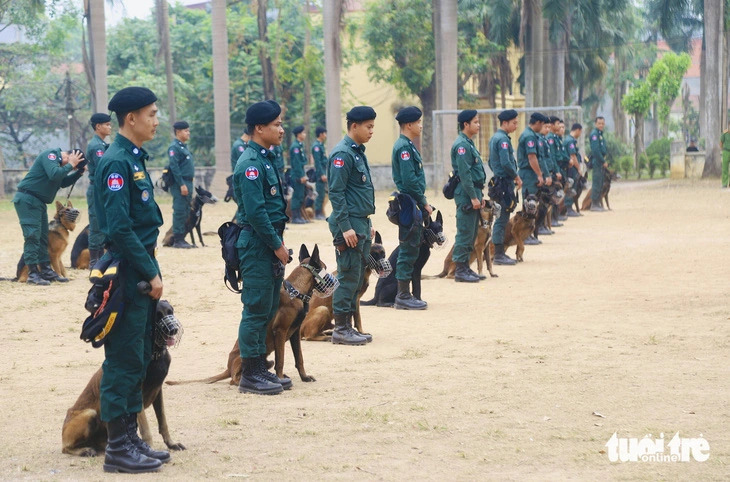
<point>70,108</point>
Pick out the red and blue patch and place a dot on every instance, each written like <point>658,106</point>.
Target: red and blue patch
<point>594,137</point>
<point>240,148</point>
<point>52,156</point>
<point>296,150</point>
<point>405,155</point>
<point>530,143</point>
<point>338,162</point>
<point>461,150</point>
<point>550,141</point>
<point>172,153</point>
<point>316,148</point>
<point>252,173</point>
<point>505,145</point>
<point>115,181</point>
<point>99,153</point>
<point>572,146</point>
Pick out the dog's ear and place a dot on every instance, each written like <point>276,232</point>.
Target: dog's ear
<point>303,253</point>
<point>314,259</point>
<point>378,239</point>
<point>69,205</point>
<point>59,206</point>
<point>439,218</point>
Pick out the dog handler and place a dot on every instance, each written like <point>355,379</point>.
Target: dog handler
<point>183,171</point>
<point>320,170</point>
<point>261,250</point>
<point>297,160</point>
<point>51,171</point>
<point>409,178</point>
<point>352,196</point>
<point>102,125</point>
<point>466,162</point>
<point>598,161</point>
<point>573,151</point>
<point>130,219</point>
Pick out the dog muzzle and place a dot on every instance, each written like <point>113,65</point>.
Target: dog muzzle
<point>558,195</point>
<point>325,284</point>
<point>435,240</point>
<point>70,215</point>
<point>381,267</point>
<point>530,208</point>
<point>496,209</point>
<point>168,331</point>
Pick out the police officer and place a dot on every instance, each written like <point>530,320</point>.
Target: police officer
<point>530,169</point>
<point>238,147</point>
<point>353,201</point>
<point>598,162</point>
<point>563,160</point>
<point>261,250</point>
<point>320,171</point>
<point>130,219</point>
<point>183,172</point>
<point>278,160</point>
<point>551,165</point>
<point>102,125</point>
<point>297,160</point>
<point>410,179</point>
<point>503,165</point>
<point>466,162</point>
<point>573,152</point>
<point>52,170</point>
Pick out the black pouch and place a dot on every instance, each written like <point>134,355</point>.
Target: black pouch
<point>229,192</point>
<point>105,301</point>
<point>229,233</point>
<point>393,212</point>
<point>166,180</point>
<point>450,186</point>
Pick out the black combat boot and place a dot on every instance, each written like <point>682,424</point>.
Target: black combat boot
<point>532,240</point>
<point>181,243</point>
<point>404,300</point>
<point>319,215</point>
<point>48,274</point>
<point>368,337</point>
<point>35,278</point>
<point>500,257</point>
<point>463,275</point>
<point>344,333</point>
<point>94,256</point>
<point>285,382</point>
<point>252,381</point>
<point>122,455</point>
<point>543,231</point>
<point>296,217</point>
<point>474,273</point>
<point>161,455</point>
<point>572,213</point>
<point>597,208</point>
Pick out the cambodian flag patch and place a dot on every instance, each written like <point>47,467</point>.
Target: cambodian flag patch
<point>530,143</point>
<point>296,150</point>
<point>338,162</point>
<point>505,145</point>
<point>405,155</point>
<point>550,141</point>
<point>240,148</point>
<point>572,146</point>
<point>594,137</point>
<point>316,148</point>
<point>115,181</point>
<point>52,156</point>
<point>99,153</point>
<point>461,150</point>
<point>252,173</point>
<point>172,153</point>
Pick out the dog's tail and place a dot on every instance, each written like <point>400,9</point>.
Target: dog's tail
<point>225,374</point>
<point>368,303</point>
<point>9,279</point>
<point>436,276</point>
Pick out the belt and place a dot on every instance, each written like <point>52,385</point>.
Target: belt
<point>151,250</point>
<point>24,191</point>
<point>188,178</point>
<point>480,186</point>
<point>278,227</point>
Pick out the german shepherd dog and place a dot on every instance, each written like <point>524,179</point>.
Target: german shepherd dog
<point>58,233</point>
<point>519,227</point>
<point>484,233</point>
<point>80,250</point>
<point>194,219</point>
<point>317,325</point>
<point>286,323</point>
<point>387,288</point>
<point>608,176</point>
<point>83,431</point>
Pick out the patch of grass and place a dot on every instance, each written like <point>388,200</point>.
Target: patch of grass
<point>24,330</point>
<point>227,422</point>
<point>417,408</point>
<point>425,426</point>
<point>652,340</point>
<point>412,354</point>
<point>367,416</point>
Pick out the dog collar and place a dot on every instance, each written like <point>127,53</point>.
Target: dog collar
<point>295,293</point>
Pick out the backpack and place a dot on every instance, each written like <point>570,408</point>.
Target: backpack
<point>166,180</point>
<point>450,186</point>
<point>105,301</point>
<point>229,232</point>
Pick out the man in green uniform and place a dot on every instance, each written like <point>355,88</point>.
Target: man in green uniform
<point>503,165</point>
<point>551,160</point>
<point>261,250</point>
<point>52,170</point>
<point>530,170</point>
<point>238,147</point>
<point>546,165</point>
<point>297,160</point>
<point>466,162</point>
<point>410,179</point>
<point>725,146</point>
<point>102,125</point>
<point>320,171</point>
<point>353,201</point>
<point>279,159</point>
<point>562,159</point>
<point>130,219</point>
<point>598,161</point>
<point>183,172</point>
<point>573,152</point>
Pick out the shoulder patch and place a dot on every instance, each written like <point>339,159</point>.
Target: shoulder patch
<point>594,137</point>
<point>550,141</point>
<point>505,145</point>
<point>115,181</point>
<point>99,153</point>
<point>530,143</point>
<point>51,156</point>
<point>338,162</point>
<point>172,153</point>
<point>461,150</point>
<point>252,173</point>
<point>296,150</point>
<point>572,146</point>
<point>405,155</point>
<point>240,148</point>
<point>316,148</point>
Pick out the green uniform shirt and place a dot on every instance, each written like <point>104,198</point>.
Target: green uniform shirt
<point>94,151</point>
<point>407,167</point>
<point>501,155</point>
<point>46,176</point>
<point>351,188</point>
<point>571,147</point>
<point>320,159</point>
<point>467,163</point>
<point>236,150</point>
<point>181,163</point>
<point>543,155</point>
<point>126,209</point>
<point>598,146</point>
<point>257,189</point>
<point>297,160</point>
<point>278,157</point>
<point>526,145</point>
<point>725,140</point>
<point>555,154</point>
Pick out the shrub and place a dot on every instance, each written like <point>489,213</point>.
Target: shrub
<point>641,163</point>
<point>626,165</point>
<point>654,164</point>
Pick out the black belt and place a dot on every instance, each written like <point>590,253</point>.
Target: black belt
<point>189,179</point>
<point>278,227</point>
<point>32,194</point>
<point>480,186</point>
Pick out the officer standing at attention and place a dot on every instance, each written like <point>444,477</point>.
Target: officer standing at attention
<point>183,172</point>
<point>409,178</point>
<point>352,196</point>
<point>297,160</point>
<point>320,171</point>
<point>102,125</point>
<point>261,250</point>
<point>238,147</point>
<point>573,152</point>
<point>279,160</point>
<point>503,165</point>
<point>530,170</point>
<point>466,162</point>
<point>130,219</point>
<point>51,171</point>
<point>598,161</point>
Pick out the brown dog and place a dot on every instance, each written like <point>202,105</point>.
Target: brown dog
<point>608,176</point>
<point>519,227</point>
<point>320,316</point>
<point>484,235</point>
<point>83,431</point>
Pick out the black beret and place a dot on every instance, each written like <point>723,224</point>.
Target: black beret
<point>507,115</point>
<point>99,118</point>
<point>409,114</point>
<point>262,112</point>
<point>180,125</point>
<point>361,113</point>
<point>297,130</point>
<point>130,99</point>
<point>319,130</point>
<point>246,132</point>
<point>466,115</point>
<point>537,117</point>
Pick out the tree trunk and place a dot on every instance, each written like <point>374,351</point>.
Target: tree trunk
<point>307,94</point>
<point>267,71</point>
<point>332,15</point>
<point>537,49</point>
<point>560,60</point>
<point>703,87</point>
<point>163,32</point>
<point>221,100</point>
<point>713,67</point>
<point>428,98</point>
<point>445,32</point>
<point>638,138</point>
<point>619,89</point>
<point>97,40</point>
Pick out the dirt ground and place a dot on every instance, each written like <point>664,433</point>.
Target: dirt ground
<point>623,313</point>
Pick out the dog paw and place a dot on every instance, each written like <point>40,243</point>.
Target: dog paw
<point>88,452</point>
<point>176,446</point>
<point>308,378</point>
<point>494,275</point>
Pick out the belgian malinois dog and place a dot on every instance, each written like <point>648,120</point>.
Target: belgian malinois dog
<point>519,227</point>
<point>608,176</point>
<point>195,217</point>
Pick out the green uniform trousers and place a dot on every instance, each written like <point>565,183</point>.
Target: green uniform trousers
<point>260,294</point>
<point>407,253</point>
<point>725,164</point>
<point>180,207</point>
<point>467,223</point>
<point>297,198</point>
<point>321,193</point>
<point>597,184</point>
<point>529,182</point>
<point>96,237</point>
<point>573,174</point>
<point>350,267</point>
<point>33,216</point>
<point>501,223</point>
<point>128,350</point>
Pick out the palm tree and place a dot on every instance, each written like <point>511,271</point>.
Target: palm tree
<point>332,18</point>
<point>444,25</point>
<point>95,62</point>
<point>221,101</point>
<point>714,29</point>
<point>163,33</point>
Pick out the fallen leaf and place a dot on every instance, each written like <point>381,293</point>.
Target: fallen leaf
<point>599,415</point>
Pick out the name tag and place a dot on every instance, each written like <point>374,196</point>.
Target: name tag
<point>138,176</point>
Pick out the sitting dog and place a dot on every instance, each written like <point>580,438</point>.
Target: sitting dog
<point>319,319</point>
<point>83,431</point>
<point>194,218</point>
<point>484,233</point>
<point>519,227</point>
<point>608,176</point>
<point>80,250</point>
<point>386,288</point>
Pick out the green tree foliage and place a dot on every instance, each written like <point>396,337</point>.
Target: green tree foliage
<point>660,148</point>
<point>625,165</point>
